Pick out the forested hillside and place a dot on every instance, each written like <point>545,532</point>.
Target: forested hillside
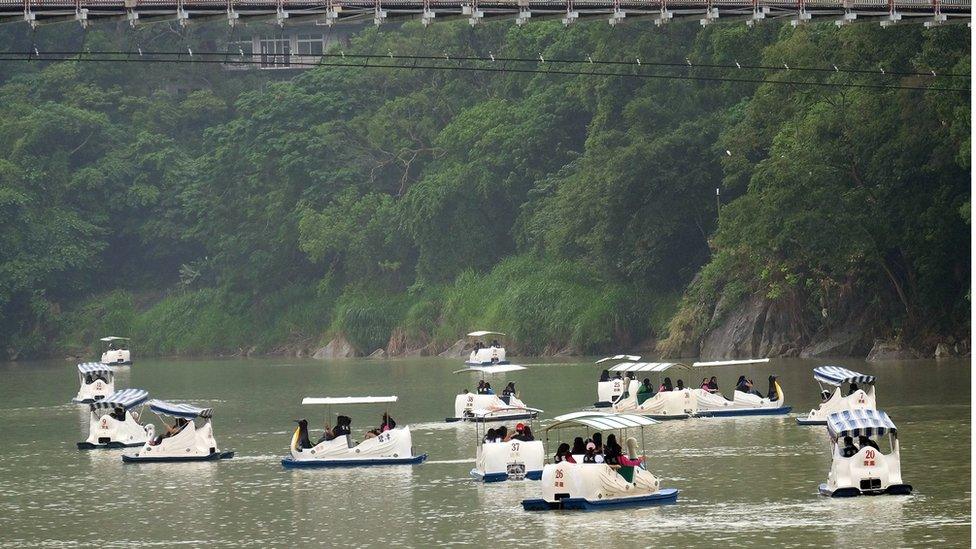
<point>203,211</point>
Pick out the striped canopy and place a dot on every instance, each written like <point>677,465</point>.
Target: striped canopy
<point>836,375</point>
<point>185,411</point>
<point>94,368</point>
<point>859,422</point>
<point>126,398</point>
<point>646,366</point>
<point>602,421</point>
<point>632,358</point>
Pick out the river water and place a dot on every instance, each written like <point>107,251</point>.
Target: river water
<point>743,481</point>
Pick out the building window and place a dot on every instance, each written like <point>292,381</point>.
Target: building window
<point>311,44</point>
<point>275,52</point>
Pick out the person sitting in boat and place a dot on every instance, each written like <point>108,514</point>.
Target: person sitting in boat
<point>590,455</point>
<point>118,413</point>
<point>605,376</point>
<point>612,450</point>
<point>563,454</point>
<point>712,385</point>
<point>704,384</point>
<point>508,391</point>
<point>386,424</point>
<point>495,344</point>
<point>666,385</point>
<point>849,449</point>
<point>864,441</point>
<point>488,389</point>
<point>598,441</point>
<point>579,446</point>
<point>616,375</point>
<point>490,436</point>
<point>501,434</point>
<point>522,432</point>
<point>772,394</point>
<point>343,427</point>
<point>824,395</point>
<point>852,389</point>
<point>742,385</point>
<point>481,387</point>
<point>681,385</point>
<point>645,391</point>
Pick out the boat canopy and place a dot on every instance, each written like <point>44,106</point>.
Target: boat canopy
<point>482,333</point>
<point>492,369</point>
<point>94,368</point>
<point>859,422</point>
<point>837,375</point>
<point>632,358</point>
<point>114,338</point>
<point>602,421</point>
<point>646,366</point>
<point>126,398</point>
<point>349,400</point>
<point>186,411</point>
<point>482,412</point>
<point>730,362</point>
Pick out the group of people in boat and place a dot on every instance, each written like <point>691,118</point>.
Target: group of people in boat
<point>522,432</point>
<point>484,388</point>
<point>478,345</point>
<point>170,430</point>
<point>850,450</point>
<point>595,450</point>
<point>95,376</point>
<point>343,427</point>
<point>708,384</point>
<point>825,394</point>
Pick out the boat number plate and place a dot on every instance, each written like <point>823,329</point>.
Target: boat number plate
<point>516,471</point>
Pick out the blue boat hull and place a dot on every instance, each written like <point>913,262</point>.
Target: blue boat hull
<point>747,412</point>
<point>216,456</point>
<point>805,421</point>
<point>661,497</point>
<point>292,463</point>
<point>490,419</point>
<point>500,477</point>
<point>108,446</point>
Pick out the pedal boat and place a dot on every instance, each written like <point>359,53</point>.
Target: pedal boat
<point>694,402</point>
<point>97,382</point>
<point>105,431</point>
<point>506,408</point>
<point>869,471</point>
<point>116,351</point>
<point>607,392</point>
<point>834,400</point>
<point>393,447</point>
<point>512,460</point>
<point>493,354</point>
<point>597,486</point>
<point>193,442</point>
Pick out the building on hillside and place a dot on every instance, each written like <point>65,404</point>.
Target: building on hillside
<point>291,48</point>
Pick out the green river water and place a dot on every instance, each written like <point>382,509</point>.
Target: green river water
<point>743,481</point>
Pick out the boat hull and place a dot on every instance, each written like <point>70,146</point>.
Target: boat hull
<point>292,463</point>
<point>501,477</point>
<point>106,446</point>
<point>893,490</point>
<point>808,421</point>
<point>661,497</point>
<point>735,412</point>
<point>215,456</point>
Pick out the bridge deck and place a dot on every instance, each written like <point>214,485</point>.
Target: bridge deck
<point>930,12</point>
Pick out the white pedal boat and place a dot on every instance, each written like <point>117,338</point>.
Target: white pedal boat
<point>116,351</point>
<point>597,486</point>
<point>113,424</point>
<point>193,441</point>
<point>609,390</point>
<point>835,401</point>
<point>694,402</point>
<point>97,382</point>
<point>507,460</point>
<point>392,447</point>
<point>483,355</point>
<point>868,471</point>
<point>508,407</point>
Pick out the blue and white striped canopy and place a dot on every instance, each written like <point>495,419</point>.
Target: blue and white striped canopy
<point>185,411</point>
<point>859,422</point>
<point>126,398</point>
<point>836,375</point>
<point>94,368</point>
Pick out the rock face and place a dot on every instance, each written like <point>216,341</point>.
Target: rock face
<point>757,327</point>
<point>339,347</point>
<point>378,353</point>
<point>460,349</point>
<point>889,350</point>
<point>942,350</point>
<point>846,340</point>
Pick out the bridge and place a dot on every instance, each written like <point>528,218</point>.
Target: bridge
<point>331,12</point>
